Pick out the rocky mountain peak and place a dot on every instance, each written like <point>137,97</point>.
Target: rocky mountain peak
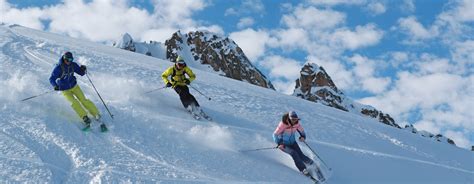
<point>314,84</point>
<point>223,55</point>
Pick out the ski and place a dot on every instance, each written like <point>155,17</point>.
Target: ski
<point>87,128</point>
<point>315,173</point>
<point>198,114</point>
<point>194,115</point>
<point>204,115</point>
<point>312,178</point>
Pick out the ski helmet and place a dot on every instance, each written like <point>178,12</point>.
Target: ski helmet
<point>68,56</point>
<point>180,61</point>
<point>293,116</point>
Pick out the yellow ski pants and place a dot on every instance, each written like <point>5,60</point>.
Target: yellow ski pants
<point>76,98</point>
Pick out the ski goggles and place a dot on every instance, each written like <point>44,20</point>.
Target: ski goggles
<point>181,63</point>
<point>69,59</point>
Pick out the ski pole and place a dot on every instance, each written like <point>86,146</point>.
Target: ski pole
<point>112,116</point>
<point>317,155</point>
<point>209,98</point>
<point>155,90</point>
<point>36,95</point>
<point>259,149</point>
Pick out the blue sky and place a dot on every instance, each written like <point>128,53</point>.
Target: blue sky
<point>409,58</point>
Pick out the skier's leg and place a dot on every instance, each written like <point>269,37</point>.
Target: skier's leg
<point>305,158</point>
<point>76,90</point>
<point>289,149</point>
<point>182,95</point>
<point>309,161</point>
<point>192,98</point>
<point>75,104</point>
<point>189,97</point>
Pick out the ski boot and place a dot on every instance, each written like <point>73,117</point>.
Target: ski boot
<point>87,123</point>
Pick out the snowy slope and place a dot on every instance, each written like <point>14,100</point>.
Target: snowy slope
<point>153,139</point>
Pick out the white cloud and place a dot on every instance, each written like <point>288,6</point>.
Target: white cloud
<point>177,12</point>
<point>281,67</point>
<point>365,71</point>
<point>444,100</point>
<point>396,58</point>
<point>285,87</point>
<point>247,7</point>
<point>245,22</point>
<point>464,11</point>
<point>283,72</point>
<point>253,5</point>
<point>376,8</point>
<point>106,20</point>
<point>230,11</point>
<point>427,126</point>
<point>291,39</point>
<point>158,34</point>
<point>313,18</point>
<point>408,6</point>
<point>415,30</point>
<point>429,64</point>
<point>463,56</point>
<point>252,42</point>
<point>97,20</point>
<point>452,25</point>
<point>459,138</point>
<point>363,36</point>
<point>30,17</point>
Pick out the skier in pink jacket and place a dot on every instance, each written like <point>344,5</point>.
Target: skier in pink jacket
<point>284,136</point>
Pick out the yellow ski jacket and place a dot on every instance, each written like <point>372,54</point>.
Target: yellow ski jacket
<point>177,75</point>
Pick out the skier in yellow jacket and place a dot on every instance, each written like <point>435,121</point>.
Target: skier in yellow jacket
<point>178,81</point>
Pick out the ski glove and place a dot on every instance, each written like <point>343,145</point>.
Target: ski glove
<point>168,85</point>
<point>83,68</point>
<point>56,88</point>
<point>281,147</point>
<point>302,139</point>
<point>187,81</point>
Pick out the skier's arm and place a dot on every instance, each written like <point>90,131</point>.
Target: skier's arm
<point>78,69</point>
<point>54,76</point>
<point>167,73</point>
<point>301,131</point>
<point>277,134</point>
<point>190,74</point>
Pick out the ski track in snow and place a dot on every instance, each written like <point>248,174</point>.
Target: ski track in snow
<point>55,151</point>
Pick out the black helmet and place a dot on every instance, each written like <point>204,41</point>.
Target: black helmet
<point>68,56</point>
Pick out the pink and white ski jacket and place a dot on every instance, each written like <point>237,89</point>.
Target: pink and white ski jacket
<point>285,133</point>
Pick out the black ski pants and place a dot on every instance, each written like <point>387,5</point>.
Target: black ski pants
<point>185,97</point>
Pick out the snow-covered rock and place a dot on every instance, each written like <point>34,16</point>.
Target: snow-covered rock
<point>151,48</point>
<point>437,137</point>
<point>222,55</point>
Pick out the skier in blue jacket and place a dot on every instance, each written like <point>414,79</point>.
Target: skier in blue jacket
<point>63,79</point>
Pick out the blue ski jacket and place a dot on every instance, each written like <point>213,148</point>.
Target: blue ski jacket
<point>63,75</point>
